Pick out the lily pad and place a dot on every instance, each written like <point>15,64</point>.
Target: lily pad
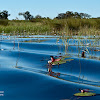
<point>85,94</point>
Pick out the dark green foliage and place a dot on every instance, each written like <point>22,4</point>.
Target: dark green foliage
<point>57,26</point>
<point>26,15</point>
<point>70,14</point>
<point>73,24</point>
<point>36,20</point>
<point>4,14</point>
<point>3,22</point>
<point>97,21</point>
<point>38,17</point>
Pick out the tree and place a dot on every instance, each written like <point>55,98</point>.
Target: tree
<point>26,15</point>
<point>4,14</point>
<point>84,15</point>
<point>0,15</point>
<point>61,16</point>
<point>87,15</point>
<point>38,16</point>
<point>98,17</point>
<point>77,15</point>
<point>69,14</point>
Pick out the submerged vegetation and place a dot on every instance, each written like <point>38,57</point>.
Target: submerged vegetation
<point>85,94</point>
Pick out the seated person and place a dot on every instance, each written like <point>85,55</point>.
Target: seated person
<point>53,59</point>
<point>83,54</point>
<point>84,90</point>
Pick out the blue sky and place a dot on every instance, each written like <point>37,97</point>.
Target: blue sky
<point>50,8</point>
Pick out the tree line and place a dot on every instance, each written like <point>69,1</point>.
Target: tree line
<point>70,14</point>
<point>28,16</point>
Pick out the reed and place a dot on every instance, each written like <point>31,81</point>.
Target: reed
<point>69,26</point>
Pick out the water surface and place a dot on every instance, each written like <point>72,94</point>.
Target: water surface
<point>24,68</point>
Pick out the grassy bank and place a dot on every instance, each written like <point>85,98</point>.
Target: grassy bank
<point>59,26</point>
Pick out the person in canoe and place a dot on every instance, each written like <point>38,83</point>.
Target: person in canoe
<point>85,90</point>
<point>53,59</point>
<point>84,93</point>
<point>83,54</point>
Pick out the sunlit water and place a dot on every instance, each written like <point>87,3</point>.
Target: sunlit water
<point>24,68</point>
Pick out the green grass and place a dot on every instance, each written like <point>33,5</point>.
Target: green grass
<point>85,94</point>
<point>62,61</point>
<point>67,27</point>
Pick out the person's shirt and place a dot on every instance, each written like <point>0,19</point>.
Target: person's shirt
<point>52,59</point>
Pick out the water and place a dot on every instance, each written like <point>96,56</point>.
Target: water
<point>24,68</point>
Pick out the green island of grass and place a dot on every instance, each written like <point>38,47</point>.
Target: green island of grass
<point>85,94</point>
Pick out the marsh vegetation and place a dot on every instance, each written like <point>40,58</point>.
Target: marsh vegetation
<point>69,23</point>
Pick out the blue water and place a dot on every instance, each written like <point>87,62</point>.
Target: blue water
<point>24,68</point>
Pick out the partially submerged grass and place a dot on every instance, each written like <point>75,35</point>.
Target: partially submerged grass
<point>34,40</point>
<point>85,94</point>
<point>62,61</point>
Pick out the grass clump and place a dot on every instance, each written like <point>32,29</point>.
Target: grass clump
<point>85,94</point>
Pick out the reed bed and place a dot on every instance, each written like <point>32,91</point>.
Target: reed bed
<point>67,27</point>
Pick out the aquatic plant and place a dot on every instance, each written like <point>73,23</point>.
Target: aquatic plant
<point>62,61</point>
<point>85,94</point>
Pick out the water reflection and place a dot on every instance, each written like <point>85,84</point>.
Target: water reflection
<point>51,73</point>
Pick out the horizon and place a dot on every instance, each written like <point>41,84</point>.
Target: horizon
<point>50,8</point>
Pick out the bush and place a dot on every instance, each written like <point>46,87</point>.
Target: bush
<point>3,22</point>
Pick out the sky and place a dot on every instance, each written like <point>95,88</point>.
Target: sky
<point>49,8</point>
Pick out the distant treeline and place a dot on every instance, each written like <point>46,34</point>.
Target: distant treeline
<point>69,23</point>
<point>27,16</point>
